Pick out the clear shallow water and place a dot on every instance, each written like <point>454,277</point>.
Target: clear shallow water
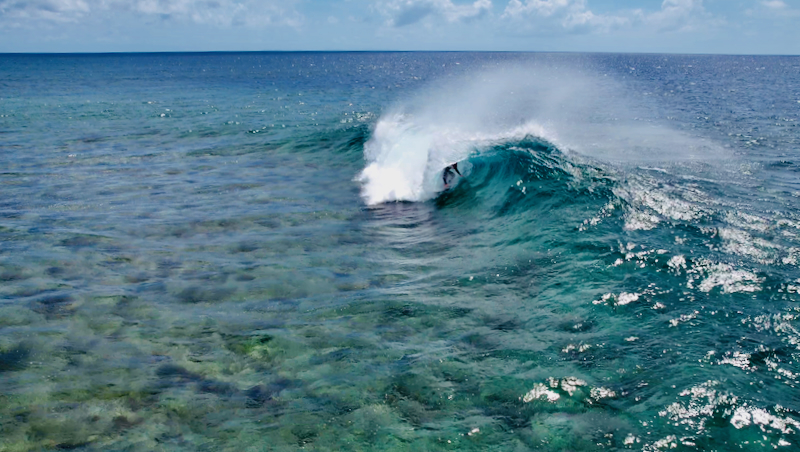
<point>192,256</point>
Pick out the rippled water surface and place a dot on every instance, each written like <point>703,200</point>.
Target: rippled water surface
<point>254,252</point>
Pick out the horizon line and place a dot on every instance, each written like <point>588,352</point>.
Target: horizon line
<point>169,52</point>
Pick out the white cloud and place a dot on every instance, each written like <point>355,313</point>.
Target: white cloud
<point>776,9</point>
<point>572,15</point>
<point>51,10</point>
<point>774,4</point>
<point>222,13</point>
<point>677,15</point>
<point>407,12</point>
<point>545,8</point>
<point>576,16</point>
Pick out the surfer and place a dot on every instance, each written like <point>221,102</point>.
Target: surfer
<point>449,174</point>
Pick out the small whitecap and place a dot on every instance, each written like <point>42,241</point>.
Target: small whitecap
<point>571,384</point>
<point>540,391</point>
<point>602,393</point>
<point>677,262</point>
<point>626,298</point>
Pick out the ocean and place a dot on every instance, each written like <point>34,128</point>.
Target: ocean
<point>256,251</point>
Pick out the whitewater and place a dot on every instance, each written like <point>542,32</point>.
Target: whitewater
<point>240,251</point>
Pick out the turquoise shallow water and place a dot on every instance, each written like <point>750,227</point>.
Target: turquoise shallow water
<point>253,252</point>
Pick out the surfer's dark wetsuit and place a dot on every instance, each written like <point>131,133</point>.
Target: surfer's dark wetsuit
<point>448,175</point>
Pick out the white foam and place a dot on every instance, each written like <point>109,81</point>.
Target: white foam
<point>722,275</point>
<point>745,415</point>
<point>702,404</point>
<point>650,202</point>
<point>626,298</point>
<point>737,241</point>
<point>398,162</point>
<point>730,280</point>
<point>738,359</point>
<point>540,391</point>
<point>677,262</point>
<point>571,384</point>
<point>602,393</point>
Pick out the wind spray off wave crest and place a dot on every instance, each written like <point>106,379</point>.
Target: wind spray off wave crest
<point>416,140</point>
<point>456,117</point>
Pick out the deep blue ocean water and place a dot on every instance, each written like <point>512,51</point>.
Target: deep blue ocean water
<point>255,251</point>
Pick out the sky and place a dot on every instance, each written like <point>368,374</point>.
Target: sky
<point>650,26</point>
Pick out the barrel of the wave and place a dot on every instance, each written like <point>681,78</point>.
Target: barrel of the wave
<point>449,175</point>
